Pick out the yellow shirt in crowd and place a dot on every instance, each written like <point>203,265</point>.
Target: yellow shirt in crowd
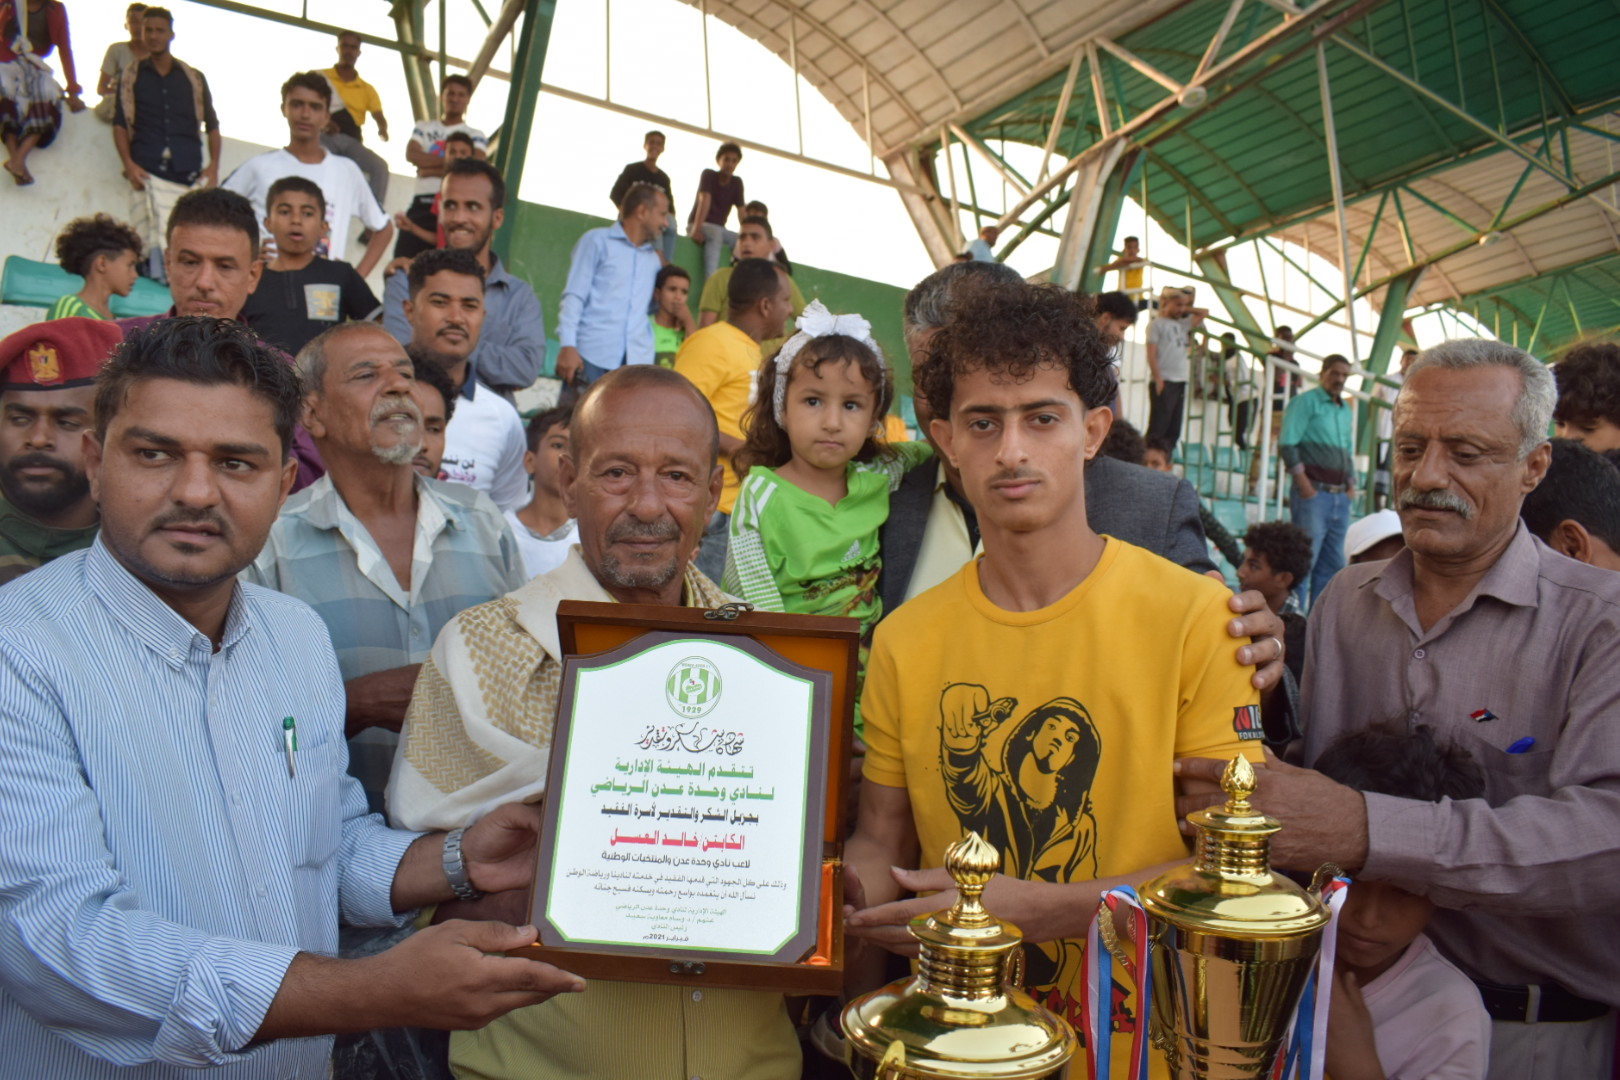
<point>714,297</point>
<point>723,363</point>
<point>359,96</point>
<point>1052,733</point>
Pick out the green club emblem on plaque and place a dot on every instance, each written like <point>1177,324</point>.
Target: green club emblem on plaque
<point>693,687</point>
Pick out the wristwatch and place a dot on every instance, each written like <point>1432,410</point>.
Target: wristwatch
<point>455,867</point>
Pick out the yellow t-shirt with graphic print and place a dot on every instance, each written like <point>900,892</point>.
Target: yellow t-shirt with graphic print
<point>1052,733</point>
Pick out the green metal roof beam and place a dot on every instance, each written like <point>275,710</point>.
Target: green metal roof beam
<point>1037,224</point>
<point>1531,279</point>
<point>1456,219</point>
<point>1446,253</point>
<point>1378,217</point>
<point>1187,185</point>
<point>1255,50</point>
<point>1612,136</point>
<point>1514,194</point>
<point>1566,104</point>
<point>1232,174</point>
<point>1406,230</point>
<point>1461,114</point>
<point>1278,248</point>
<point>1255,231</point>
<point>1422,108</point>
<point>1305,126</point>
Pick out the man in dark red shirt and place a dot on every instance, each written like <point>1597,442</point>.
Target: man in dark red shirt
<point>719,191</point>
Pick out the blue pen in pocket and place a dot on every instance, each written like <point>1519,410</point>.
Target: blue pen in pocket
<point>1522,746</point>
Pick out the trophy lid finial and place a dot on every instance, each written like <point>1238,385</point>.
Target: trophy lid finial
<point>1239,782</point>
<point>971,862</point>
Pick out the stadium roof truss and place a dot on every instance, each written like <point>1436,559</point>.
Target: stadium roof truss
<point>1456,154</point>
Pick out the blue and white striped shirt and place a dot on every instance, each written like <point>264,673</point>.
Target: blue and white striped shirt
<point>159,867</point>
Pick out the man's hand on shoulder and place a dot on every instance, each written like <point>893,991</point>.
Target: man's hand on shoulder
<point>1325,820</point>
<point>1263,629</point>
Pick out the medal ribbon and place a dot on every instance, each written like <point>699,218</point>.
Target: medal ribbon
<point>1098,987</point>
<point>1306,1058</point>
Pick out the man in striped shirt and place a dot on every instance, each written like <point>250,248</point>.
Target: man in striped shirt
<point>181,839</point>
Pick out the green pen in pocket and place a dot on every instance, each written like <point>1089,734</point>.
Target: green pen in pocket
<point>289,738</point>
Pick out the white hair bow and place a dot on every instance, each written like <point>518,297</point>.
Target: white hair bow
<point>817,321</point>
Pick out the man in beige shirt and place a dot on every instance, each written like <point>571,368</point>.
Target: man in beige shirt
<point>641,477</point>
<point>1509,650</point>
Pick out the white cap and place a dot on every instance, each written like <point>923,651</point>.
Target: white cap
<point>1369,530</point>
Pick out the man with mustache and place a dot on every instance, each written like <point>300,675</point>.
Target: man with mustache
<point>484,441</point>
<point>1507,648</point>
<point>641,476</point>
<point>384,556</point>
<point>181,839</point>
<point>512,351</point>
<point>46,397</point>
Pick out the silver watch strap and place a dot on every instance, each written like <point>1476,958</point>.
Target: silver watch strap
<point>455,867</point>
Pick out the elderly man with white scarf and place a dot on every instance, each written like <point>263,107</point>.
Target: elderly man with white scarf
<point>642,478</point>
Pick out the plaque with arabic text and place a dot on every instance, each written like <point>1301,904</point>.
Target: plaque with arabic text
<point>692,818</point>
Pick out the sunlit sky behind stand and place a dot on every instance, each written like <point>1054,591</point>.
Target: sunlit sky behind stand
<point>655,65</point>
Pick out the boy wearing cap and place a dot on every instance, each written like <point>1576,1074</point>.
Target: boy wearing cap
<point>47,373</point>
<point>1374,538</point>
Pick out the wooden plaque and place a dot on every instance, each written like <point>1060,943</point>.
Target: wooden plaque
<point>694,808</point>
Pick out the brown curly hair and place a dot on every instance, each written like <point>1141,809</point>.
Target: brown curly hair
<point>766,442</point>
<point>1010,329</point>
<point>87,237</point>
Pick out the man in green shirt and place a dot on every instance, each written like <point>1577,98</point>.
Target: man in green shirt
<point>47,376</point>
<point>754,241</point>
<point>671,318</point>
<point>1316,447</point>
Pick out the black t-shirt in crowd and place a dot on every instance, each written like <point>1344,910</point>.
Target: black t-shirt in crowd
<point>290,307</point>
<point>639,172</point>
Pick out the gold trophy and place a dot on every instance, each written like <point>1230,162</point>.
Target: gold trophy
<point>963,1016</point>
<point>1231,943</point>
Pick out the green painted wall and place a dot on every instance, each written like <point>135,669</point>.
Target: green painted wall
<point>543,238</point>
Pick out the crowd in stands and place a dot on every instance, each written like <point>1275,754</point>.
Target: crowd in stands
<point>280,665</point>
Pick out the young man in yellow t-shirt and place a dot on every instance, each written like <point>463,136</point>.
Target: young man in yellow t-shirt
<point>1041,695</point>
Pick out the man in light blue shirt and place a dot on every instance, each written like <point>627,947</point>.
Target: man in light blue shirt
<point>512,350</point>
<point>610,284</point>
<point>180,837</point>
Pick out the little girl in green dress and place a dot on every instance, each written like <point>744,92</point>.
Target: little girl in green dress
<point>816,476</point>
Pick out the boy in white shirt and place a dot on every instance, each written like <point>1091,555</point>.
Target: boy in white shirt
<point>1400,1010</point>
<point>543,528</point>
<point>306,102</point>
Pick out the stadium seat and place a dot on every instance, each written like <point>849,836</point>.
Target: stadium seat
<point>31,283</point>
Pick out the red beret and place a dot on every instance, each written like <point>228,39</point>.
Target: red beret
<point>57,354</point>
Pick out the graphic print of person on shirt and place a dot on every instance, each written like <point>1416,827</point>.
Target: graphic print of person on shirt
<point>1025,786</point>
